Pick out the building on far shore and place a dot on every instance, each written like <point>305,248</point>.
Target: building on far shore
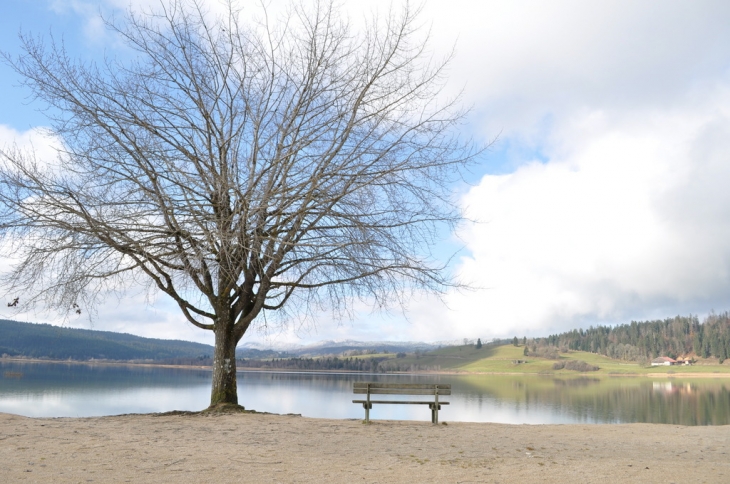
<point>663,361</point>
<point>686,360</point>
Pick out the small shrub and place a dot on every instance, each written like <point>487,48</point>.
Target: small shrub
<point>575,365</point>
<point>579,365</point>
<point>549,352</point>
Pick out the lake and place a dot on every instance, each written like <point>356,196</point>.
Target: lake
<point>81,390</point>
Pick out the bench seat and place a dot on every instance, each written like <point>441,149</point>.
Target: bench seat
<point>427,389</point>
<point>399,401</point>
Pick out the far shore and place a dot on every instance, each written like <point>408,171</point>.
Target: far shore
<point>248,447</point>
<point>675,375</point>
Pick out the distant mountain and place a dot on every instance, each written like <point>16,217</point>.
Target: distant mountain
<point>58,343</point>
<point>339,347</point>
<point>54,342</point>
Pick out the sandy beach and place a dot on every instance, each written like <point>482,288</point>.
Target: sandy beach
<point>255,448</point>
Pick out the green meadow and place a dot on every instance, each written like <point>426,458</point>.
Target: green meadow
<point>511,359</point>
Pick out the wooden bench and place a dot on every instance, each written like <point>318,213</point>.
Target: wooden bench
<point>432,389</point>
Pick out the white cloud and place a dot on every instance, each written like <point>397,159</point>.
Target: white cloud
<point>36,140</point>
<point>621,211</point>
<point>527,63</point>
<point>627,219</point>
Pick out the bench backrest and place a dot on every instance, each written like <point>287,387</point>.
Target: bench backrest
<point>401,388</point>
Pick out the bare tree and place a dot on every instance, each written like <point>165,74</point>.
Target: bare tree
<point>241,168</point>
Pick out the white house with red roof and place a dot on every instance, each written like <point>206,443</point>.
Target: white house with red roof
<point>663,361</point>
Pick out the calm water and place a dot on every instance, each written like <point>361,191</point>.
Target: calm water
<point>60,390</point>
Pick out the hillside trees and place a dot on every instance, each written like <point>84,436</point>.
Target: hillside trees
<point>47,341</point>
<point>645,340</point>
<point>243,169</point>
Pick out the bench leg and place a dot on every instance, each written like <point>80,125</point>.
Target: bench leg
<point>367,407</point>
<point>434,412</point>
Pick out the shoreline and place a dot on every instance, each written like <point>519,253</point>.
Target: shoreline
<point>284,448</point>
<point>692,375</point>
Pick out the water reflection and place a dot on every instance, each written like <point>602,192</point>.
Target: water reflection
<point>610,400</point>
<point>55,390</point>
<point>79,390</point>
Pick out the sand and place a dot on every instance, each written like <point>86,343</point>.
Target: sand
<point>255,448</point>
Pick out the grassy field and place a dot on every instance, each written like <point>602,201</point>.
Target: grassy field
<point>503,359</point>
<point>370,355</point>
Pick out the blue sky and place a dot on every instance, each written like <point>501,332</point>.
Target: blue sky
<point>603,200</point>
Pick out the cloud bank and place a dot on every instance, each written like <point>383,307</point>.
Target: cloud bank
<point>616,122</point>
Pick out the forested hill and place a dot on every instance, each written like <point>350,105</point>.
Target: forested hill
<point>47,341</point>
<point>679,336</point>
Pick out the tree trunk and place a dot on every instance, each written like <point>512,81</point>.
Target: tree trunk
<point>224,367</point>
